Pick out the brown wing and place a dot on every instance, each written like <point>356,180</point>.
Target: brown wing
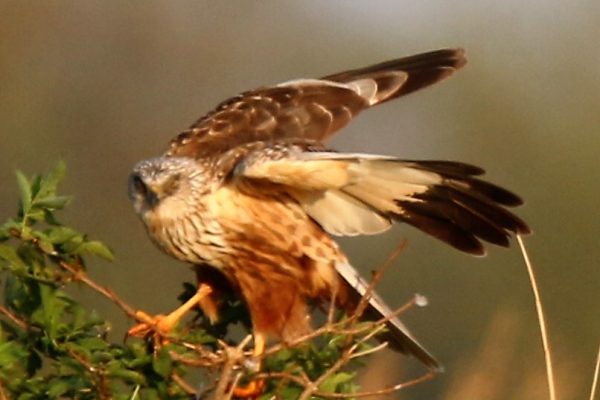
<point>311,109</point>
<point>350,194</point>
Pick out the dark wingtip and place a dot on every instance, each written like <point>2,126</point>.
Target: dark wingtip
<point>462,210</point>
<point>423,70</point>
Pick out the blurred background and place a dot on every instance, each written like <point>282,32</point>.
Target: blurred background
<point>105,84</point>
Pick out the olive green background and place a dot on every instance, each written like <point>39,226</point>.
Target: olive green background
<point>103,84</point>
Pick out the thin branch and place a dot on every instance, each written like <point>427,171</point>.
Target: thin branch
<point>306,383</point>
<point>372,350</point>
<point>14,318</point>
<point>313,386</point>
<point>401,386</point>
<point>80,276</point>
<point>233,357</point>
<point>364,301</point>
<point>189,389</point>
<point>3,395</point>
<point>98,375</point>
<point>541,320</point>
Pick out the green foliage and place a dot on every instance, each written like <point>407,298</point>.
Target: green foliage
<point>51,347</point>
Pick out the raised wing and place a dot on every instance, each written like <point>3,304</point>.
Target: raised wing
<point>311,109</point>
<point>350,194</point>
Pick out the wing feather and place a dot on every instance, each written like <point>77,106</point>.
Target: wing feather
<point>350,194</point>
<point>310,109</point>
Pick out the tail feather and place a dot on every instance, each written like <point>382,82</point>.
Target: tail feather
<point>397,335</point>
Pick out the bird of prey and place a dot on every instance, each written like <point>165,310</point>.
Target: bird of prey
<point>252,191</point>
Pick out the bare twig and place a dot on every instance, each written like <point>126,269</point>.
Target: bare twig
<point>233,356</point>
<point>391,389</point>
<point>80,276</point>
<point>541,320</point>
<point>3,395</point>
<point>189,389</point>
<point>312,387</point>
<point>372,350</point>
<point>364,301</point>
<point>98,375</point>
<point>306,383</point>
<point>14,318</point>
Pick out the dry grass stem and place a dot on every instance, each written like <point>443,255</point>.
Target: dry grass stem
<point>541,320</point>
<point>595,379</point>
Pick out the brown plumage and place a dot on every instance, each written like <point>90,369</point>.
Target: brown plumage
<point>251,191</point>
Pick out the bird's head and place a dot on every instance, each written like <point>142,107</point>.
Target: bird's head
<point>163,183</point>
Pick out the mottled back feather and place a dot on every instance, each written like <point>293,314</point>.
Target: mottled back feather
<point>310,109</point>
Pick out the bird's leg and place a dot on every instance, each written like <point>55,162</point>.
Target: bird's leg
<point>255,387</point>
<point>163,324</point>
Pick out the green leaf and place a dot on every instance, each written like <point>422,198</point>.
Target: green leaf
<point>50,311</point>
<point>44,244</point>
<point>61,234</point>
<point>162,363</point>
<point>11,353</point>
<point>96,248</point>
<point>9,254</point>
<point>50,182</point>
<point>25,192</point>
<point>35,186</point>
<point>53,202</point>
<point>57,388</point>
<point>118,371</point>
<point>331,385</point>
<point>93,343</point>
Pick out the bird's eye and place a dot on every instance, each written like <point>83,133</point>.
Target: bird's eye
<point>137,186</point>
